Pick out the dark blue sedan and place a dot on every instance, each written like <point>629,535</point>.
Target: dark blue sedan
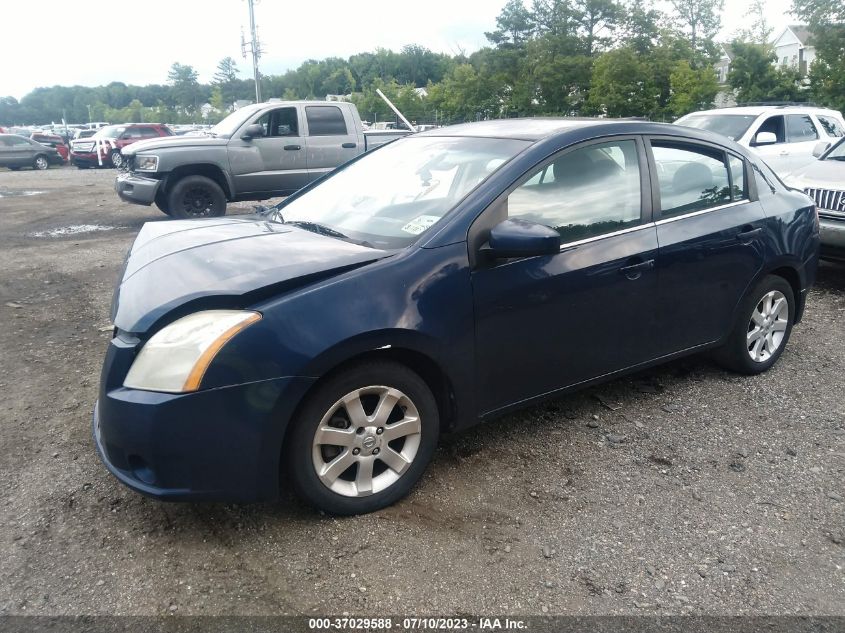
<point>439,281</point>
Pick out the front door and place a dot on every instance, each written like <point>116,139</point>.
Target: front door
<point>274,163</point>
<point>711,239</point>
<point>548,322</point>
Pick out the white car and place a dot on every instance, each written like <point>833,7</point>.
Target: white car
<point>783,136</point>
<point>824,181</point>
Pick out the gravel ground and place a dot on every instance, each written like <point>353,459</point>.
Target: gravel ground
<point>684,489</point>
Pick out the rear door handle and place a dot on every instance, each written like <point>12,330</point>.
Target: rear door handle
<point>634,271</point>
<point>349,145</point>
<point>292,148</point>
<point>747,236</point>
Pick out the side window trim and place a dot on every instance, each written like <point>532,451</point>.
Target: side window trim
<point>655,184</point>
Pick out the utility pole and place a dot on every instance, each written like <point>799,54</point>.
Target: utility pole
<point>254,47</point>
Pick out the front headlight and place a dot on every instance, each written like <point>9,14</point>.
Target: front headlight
<point>176,357</point>
<point>146,163</point>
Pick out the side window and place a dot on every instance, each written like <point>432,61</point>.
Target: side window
<point>800,128</point>
<point>133,132</point>
<point>148,132</point>
<point>691,177</point>
<point>831,126</point>
<point>584,192</point>
<point>774,124</point>
<point>739,190</point>
<point>281,122</point>
<point>325,121</point>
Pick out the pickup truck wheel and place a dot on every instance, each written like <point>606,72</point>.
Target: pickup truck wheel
<point>196,197</point>
<point>161,202</point>
<point>117,159</point>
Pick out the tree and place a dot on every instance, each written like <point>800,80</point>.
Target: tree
<point>826,19</point>
<point>597,19</point>
<point>224,79</point>
<point>622,85</point>
<point>699,20</point>
<point>186,88</point>
<point>692,89</point>
<point>754,77</point>
<point>516,25</point>
<point>759,30</point>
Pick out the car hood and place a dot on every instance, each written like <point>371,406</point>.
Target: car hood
<point>820,174</point>
<point>221,263</point>
<point>163,142</point>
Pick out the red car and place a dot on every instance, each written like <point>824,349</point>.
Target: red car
<point>103,149</point>
<point>52,140</point>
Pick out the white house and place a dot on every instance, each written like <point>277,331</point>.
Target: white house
<point>793,49</point>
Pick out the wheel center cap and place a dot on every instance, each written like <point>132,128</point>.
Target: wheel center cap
<point>369,442</point>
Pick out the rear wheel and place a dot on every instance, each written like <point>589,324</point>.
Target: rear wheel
<point>41,162</point>
<point>14,167</point>
<point>362,439</point>
<point>763,328</point>
<point>117,159</point>
<point>196,197</point>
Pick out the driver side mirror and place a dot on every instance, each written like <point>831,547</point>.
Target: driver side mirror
<point>256,130</point>
<point>820,148</point>
<point>765,138</point>
<point>520,238</point>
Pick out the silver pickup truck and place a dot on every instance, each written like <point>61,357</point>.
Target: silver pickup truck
<point>257,152</point>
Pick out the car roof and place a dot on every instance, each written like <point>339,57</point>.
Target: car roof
<point>758,110</point>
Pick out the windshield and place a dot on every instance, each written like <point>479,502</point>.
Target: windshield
<point>231,123</point>
<point>391,196</point>
<point>838,151</point>
<point>731,125</point>
<point>110,131</point>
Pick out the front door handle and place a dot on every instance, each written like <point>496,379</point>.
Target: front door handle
<point>635,271</point>
<point>747,236</point>
<point>349,145</point>
<point>292,148</point>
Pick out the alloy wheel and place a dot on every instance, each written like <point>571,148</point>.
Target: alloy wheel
<point>366,441</point>
<point>197,201</point>
<point>117,159</point>
<point>767,326</point>
<point>41,163</point>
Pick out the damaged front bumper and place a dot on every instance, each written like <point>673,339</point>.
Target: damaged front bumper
<point>136,189</point>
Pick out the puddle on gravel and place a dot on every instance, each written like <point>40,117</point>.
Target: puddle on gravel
<point>18,194</point>
<point>73,229</point>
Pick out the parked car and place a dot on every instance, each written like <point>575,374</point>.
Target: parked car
<point>257,152</point>
<point>824,181</point>
<point>83,133</point>
<point>783,136</point>
<point>104,148</point>
<point>19,151</point>
<point>442,280</point>
<point>52,140</point>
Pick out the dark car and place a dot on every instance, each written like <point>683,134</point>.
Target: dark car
<point>442,280</point>
<point>103,148</point>
<point>19,151</point>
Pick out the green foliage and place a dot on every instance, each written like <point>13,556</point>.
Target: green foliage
<point>622,85</point>
<point>826,19</point>
<point>754,77</point>
<point>692,89</point>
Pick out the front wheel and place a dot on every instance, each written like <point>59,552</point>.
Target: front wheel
<point>196,197</point>
<point>763,328</point>
<point>41,162</point>
<point>362,439</point>
<point>117,159</point>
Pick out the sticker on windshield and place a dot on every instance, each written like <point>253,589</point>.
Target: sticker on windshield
<point>420,224</point>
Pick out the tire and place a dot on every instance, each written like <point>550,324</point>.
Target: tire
<point>196,197</point>
<point>41,163</point>
<point>762,329</point>
<point>116,159</point>
<point>161,202</point>
<point>78,166</point>
<point>347,490</point>
<point>14,167</point>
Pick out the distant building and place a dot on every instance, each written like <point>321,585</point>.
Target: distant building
<point>725,97</point>
<point>793,48</point>
<point>339,97</point>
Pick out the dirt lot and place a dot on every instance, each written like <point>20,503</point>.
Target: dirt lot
<point>680,490</point>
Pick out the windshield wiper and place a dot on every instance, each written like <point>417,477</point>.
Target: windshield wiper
<point>316,227</point>
<point>835,158</point>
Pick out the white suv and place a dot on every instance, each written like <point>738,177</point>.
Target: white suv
<point>784,136</point>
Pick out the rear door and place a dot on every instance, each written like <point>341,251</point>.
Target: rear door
<point>275,163</point>
<point>711,237</point>
<point>332,138</point>
<point>543,323</point>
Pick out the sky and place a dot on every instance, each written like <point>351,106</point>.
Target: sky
<point>94,42</point>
